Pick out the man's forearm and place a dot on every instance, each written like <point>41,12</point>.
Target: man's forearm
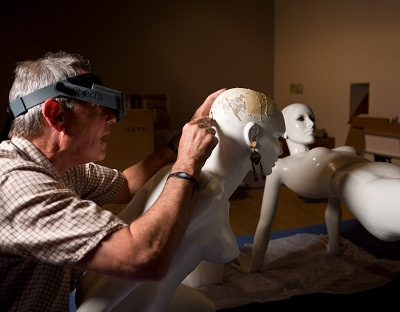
<point>138,174</point>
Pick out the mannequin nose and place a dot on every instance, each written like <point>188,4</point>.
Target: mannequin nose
<point>310,123</point>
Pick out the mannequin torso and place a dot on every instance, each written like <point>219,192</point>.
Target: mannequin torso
<point>242,116</point>
<point>315,168</point>
<point>370,190</point>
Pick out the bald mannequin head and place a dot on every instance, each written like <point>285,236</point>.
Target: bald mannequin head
<point>299,123</point>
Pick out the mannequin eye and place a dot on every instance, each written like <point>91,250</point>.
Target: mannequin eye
<point>300,118</point>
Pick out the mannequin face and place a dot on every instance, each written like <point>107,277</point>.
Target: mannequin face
<point>300,124</point>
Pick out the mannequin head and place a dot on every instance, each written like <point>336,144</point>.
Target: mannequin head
<point>245,121</point>
<point>300,124</point>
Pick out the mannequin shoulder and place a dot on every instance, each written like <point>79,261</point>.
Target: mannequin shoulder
<point>284,162</point>
<point>210,184</point>
<point>280,166</point>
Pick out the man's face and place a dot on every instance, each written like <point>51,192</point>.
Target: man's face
<point>88,124</point>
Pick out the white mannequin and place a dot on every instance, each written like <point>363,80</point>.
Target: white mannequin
<point>241,116</point>
<point>370,190</point>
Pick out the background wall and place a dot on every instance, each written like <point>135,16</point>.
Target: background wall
<point>328,45</point>
<point>187,49</point>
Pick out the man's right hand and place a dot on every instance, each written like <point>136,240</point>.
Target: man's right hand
<point>195,146</point>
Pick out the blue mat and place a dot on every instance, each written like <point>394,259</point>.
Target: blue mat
<point>315,229</point>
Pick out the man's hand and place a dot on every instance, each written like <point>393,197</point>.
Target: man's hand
<point>197,139</point>
<point>204,109</point>
<point>196,145</point>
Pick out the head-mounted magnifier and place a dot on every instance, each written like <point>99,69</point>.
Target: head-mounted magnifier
<point>86,87</point>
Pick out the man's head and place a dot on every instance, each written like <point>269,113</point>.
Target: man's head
<point>61,107</point>
<point>64,77</point>
<point>33,75</point>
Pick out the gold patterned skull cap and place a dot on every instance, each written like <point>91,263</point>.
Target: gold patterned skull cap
<point>239,101</point>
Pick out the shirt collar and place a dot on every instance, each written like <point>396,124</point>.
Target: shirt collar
<point>30,152</point>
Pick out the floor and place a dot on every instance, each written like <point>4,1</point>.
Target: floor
<point>292,212</point>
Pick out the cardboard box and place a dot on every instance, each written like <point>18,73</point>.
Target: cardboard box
<point>158,103</point>
<point>131,140</point>
<point>383,136</point>
<point>382,146</point>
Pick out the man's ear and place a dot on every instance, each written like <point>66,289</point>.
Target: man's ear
<point>53,113</point>
<point>250,133</point>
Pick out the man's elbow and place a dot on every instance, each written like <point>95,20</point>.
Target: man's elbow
<point>153,269</point>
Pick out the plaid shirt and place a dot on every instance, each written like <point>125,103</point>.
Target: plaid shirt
<point>47,223</point>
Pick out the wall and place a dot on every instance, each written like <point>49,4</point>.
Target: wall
<point>326,46</point>
<point>187,49</point>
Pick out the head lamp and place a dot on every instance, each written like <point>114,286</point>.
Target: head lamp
<point>86,87</point>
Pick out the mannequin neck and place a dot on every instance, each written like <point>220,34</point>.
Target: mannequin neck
<point>296,148</point>
<point>229,164</point>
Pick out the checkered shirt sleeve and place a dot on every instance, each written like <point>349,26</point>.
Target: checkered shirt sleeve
<point>51,218</point>
<point>47,223</point>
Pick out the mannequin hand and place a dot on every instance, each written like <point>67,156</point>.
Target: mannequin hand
<point>243,261</point>
<point>331,247</point>
<point>242,265</point>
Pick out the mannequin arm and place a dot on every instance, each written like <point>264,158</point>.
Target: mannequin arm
<point>333,216</point>
<point>253,263</point>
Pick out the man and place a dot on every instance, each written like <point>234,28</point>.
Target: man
<point>51,192</point>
